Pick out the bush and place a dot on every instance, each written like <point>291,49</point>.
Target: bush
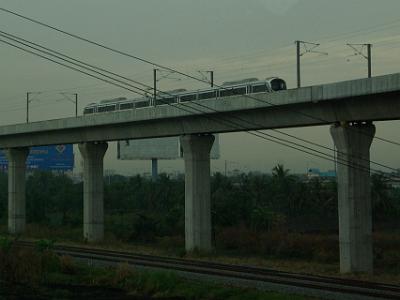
<point>5,244</point>
<point>386,251</point>
<point>280,244</point>
<point>22,266</point>
<point>123,275</point>
<point>67,265</point>
<point>238,238</point>
<point>44,245</point>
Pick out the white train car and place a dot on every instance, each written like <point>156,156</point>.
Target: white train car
<point>169,148</point>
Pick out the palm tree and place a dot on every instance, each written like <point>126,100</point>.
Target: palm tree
<point>283,185</point>
<point>280,173</point>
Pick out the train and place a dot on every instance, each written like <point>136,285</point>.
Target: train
<point>231,88</point>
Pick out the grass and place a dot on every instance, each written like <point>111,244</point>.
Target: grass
<point>318,254</point>
<point>46,275</point>
<point>159,284</point>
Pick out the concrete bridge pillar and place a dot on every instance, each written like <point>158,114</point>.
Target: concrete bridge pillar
<point>196,153</point>
<point>93,185</point>
<point>16,189</point>
<point>353,143</point>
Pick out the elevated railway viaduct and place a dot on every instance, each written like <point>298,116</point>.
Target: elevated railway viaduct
<point>349,107</point>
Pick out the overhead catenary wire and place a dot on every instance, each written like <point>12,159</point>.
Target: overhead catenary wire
<point>340,36</point>
<point>83,64</point>
<point>276,140</point>
<point>300,145</point>
<point>127,88</point>
<point>326,39</point>
<point>148,61</point>
<point>62,56</point>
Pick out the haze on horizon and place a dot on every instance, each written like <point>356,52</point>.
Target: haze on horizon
<point>236,39</point>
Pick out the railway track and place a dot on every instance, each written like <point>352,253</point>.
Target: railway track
<point>262,278</point>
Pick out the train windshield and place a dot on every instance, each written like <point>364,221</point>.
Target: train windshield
<point>260,88</point>
<point>278,85</point>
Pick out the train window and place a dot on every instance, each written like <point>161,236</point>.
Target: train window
<point>106,108</point>
<point>226,92</point>
<point>278,85</point>
<point>164,101</point>
<point>88,110</point>
<point>207,95</point>
<point>259,88</point>
<point>101,109</point>
<point>188,98</point>
<point>141,104</point>
<point>126,106</point>
<point>239,91</point>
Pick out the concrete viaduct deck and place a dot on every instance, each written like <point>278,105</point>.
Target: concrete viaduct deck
<point>374,99</point>
<point>349,107</point>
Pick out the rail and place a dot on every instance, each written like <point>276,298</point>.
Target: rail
<point>322,286</point>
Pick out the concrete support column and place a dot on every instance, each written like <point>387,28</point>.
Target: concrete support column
<point>16,189</point>
<point>196,153</point>
<point>353,143</point>
<point>93,185</point>
<point>154,169</point>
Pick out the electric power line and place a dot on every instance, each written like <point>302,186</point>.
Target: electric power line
<point>279,140</point>
<point>136,57</point>
<point>83,64</point>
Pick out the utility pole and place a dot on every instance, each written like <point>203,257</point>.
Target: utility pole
<point>205,77</point>
<point>75,101</point>
<point>369,46</point>
<point>308,48</point>
<point>154,169</point>
<point>154,161</point>
<point>76,104</point>
<point>154,87</point>
<point>29,100</point>
<point>360,51</point>
<point>27,107</point>
<point>298,54</point>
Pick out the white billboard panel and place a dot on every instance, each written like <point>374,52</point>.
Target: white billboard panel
<point>160,148</point>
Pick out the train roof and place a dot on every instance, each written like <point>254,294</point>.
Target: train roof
<point>237,82</point>
<point>112,100</point>
<point>183,92</point>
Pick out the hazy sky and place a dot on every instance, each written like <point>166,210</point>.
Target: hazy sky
<point>236,39</point>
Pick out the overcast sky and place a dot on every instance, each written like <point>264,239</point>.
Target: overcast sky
<point>235,38</point>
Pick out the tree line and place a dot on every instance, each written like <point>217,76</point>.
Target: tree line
<point>137,208</point>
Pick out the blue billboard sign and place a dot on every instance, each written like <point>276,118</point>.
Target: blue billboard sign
<point>46,158</point>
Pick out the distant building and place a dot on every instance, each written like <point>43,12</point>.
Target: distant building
<point>317,173</point>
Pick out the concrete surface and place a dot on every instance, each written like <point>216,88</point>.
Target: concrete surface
<point>16,189</point>
<point>93,188</point>
<point>354,195</point>
<point>196,154</point>
<point>371,99</point>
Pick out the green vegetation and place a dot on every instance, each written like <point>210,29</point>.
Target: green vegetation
<point>278,216</point>
<point>138,209</point>
<point>43,274</point>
